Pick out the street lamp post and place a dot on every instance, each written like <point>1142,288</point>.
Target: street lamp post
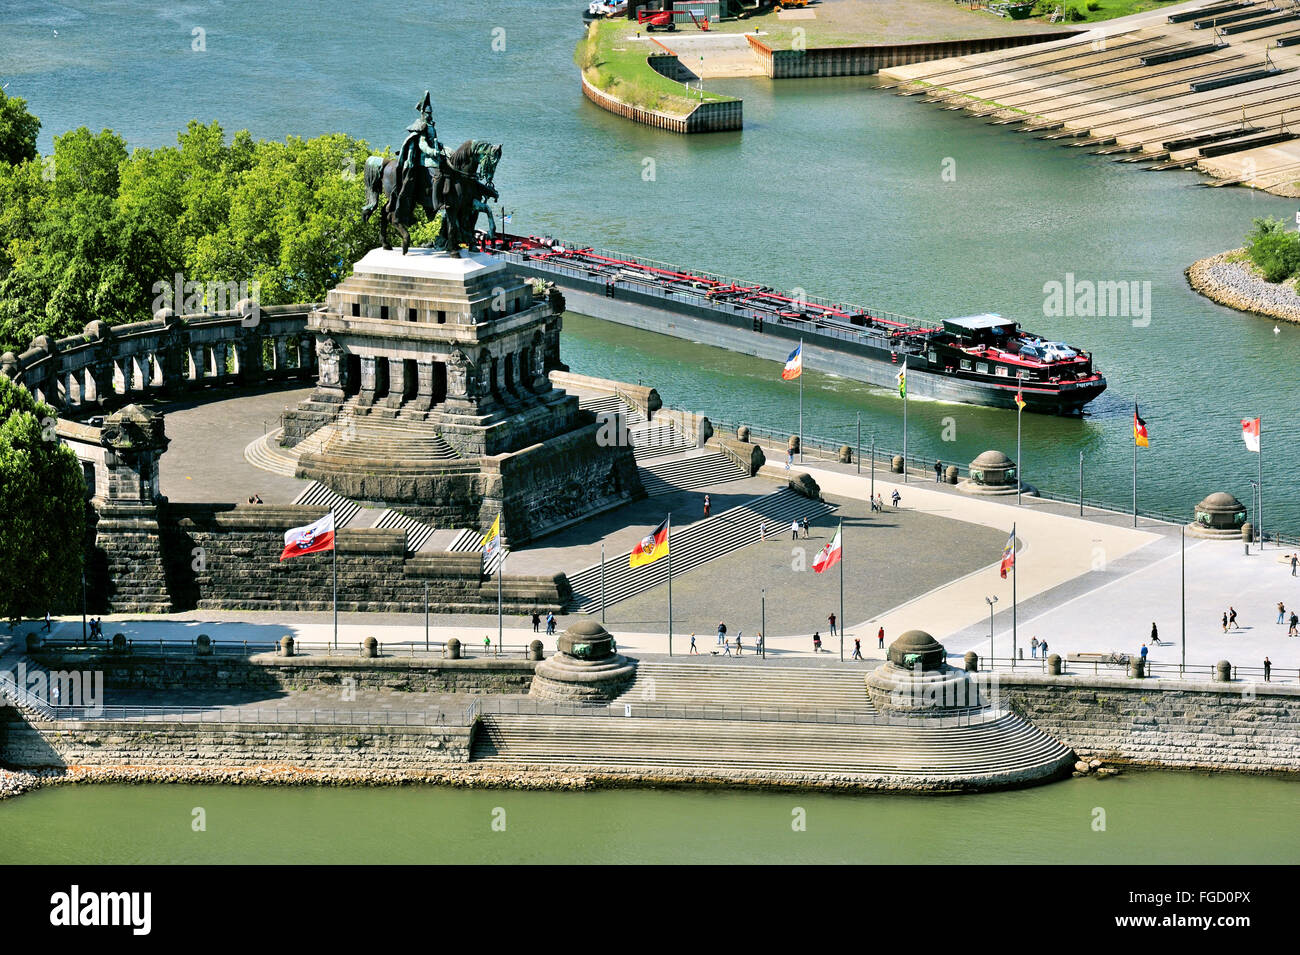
<point>762,623</point>
<point>991,601</point>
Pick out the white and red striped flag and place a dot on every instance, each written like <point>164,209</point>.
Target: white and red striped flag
<point>310,539</point>
<point>829,555</point>
<point>1250,433</point>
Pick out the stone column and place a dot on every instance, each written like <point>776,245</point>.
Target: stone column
<point>198,361</point>
<point>396,383</point>
<point>220,352</point>
<point>282,354</point>
<point>306,353</point>
<point>423,399</point>
<point>366,397</point>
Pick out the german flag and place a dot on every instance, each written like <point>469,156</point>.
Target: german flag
<point>1139,430</point>
<point>652,547</point>
<point>1020,400</point>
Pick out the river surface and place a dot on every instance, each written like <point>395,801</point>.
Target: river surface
<point>834,186</point>
<point>1132,818</point>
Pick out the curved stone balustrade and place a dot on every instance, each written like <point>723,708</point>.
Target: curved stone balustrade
<point>111,365</point>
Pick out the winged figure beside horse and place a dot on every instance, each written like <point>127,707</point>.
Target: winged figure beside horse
<point>424,175</point>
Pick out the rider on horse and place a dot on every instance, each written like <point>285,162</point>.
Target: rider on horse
<point>421,153</point>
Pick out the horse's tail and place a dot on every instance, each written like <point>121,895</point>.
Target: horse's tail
<point>374,178</point>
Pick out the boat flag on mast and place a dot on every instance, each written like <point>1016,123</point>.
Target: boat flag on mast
<point>902,382</point>
<point>311,539</point>
<point>1139,430</point>
<point>1009,555</point>
<point>829,555</point>
<point>1250,433</point>
<point>794,364</point>
<point>1020,400</point>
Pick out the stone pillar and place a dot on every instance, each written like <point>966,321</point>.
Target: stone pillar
<point>306,353</point>
<point>423,399</point>
<point>396,383</point>
<point>286,646</point>
<point>125,367</point>
<point>453,649</point>
<point>366,396</point>
<point>198,361</point>
<point>281,354</point>
<point>220,355</point>
<point>971,661</point>
<point>1054,664</point>
<point>370,648</point>
<point>248,355</point>
<point>896,465</point>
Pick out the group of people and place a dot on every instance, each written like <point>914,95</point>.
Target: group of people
<point>1294,620</point>
<point>550,622</point>
<point>1035,646</point>
<point>726,644</point>
<point>878,502</point>
<point>254,499</point>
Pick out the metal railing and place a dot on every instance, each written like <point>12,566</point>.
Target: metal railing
<point>1120,667</point>
<point>242,715</point>
<point>237,648</point>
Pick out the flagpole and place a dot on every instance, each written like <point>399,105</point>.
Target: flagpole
<point>602,581</point>
<point>857,453</point>
<point>1135,464</point>
<point>1015,572</point>
<point>335,549</point>
<point>840,534</point>
<point>1182,544</point>
<point>904,419</point>
<point>1020,469</point>
<point>501,561</point>
<point>800,408</point>
<point>668,539</point>
<point>1260,475</point>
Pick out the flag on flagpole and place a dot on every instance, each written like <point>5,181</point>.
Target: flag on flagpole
<point>653,546</point>
<point>829,555</point>
<point>794,364</point>
<point>1009,555</point>
<point>1139,430</point>
<point>1250,433</point>
<point>902,382</point>
<point>1020,400</point>
<point>490,545</point>
<point>310,539</point>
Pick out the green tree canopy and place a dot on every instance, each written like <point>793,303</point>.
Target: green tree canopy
<point>43,514</point>
<point>18,130</point>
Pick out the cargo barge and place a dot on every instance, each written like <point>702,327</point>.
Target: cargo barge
<point>980,359</point>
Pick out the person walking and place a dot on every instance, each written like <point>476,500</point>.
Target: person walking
<point>1144,653</point>
<point>803,526</point>
<point>1155,634</point>
<point>487,644</point>
<point>1295,622</point>
<point>938,472</point>
<point>817,642</point>
<point>789,459</point>
<point>1225,621</point>
<point>1042,648</point>
<point>1232,618</point>
<point>48,622</point>
<point>550,624</point>
<point>794,529</point>
<point>722,633</point>
<point>880,638</point>
<point>762,531</point>
<point>1268,669</point>
<point>708,506</point>
<point>831,618</point>
<point>857,649</point>
<point>1033,648</point>
<point>1281,611</point>
<point>726,649</point>
<point>537,621</point>
<point>1295,559</point>
<point>896,497</point>
<point>758,644</point>
<point>694,651</point>
<point>739,634</point>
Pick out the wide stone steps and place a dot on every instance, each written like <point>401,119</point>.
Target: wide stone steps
<point>613,404</point>
<point>1002,743</point>
<point>317,494</point>
<point>655,440</point>
<point>265,453</point>
<point>417,532</point>
<point>371,437</point>
<point>472,540</point>
<point>670,476</point>
<point>693,545</point>
<point>721,684</point>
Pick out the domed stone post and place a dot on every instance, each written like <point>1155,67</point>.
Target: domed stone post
<point>1223,672</point>
<point>587,667</point>
<point>286,646</point>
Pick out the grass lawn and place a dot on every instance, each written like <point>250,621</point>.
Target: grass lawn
<point>613,60</point>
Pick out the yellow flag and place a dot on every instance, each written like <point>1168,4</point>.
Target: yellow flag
<point>492,539</point>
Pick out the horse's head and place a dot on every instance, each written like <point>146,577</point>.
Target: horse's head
<point>487,156</point>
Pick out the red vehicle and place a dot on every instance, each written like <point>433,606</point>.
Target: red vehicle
<point>656,20</point>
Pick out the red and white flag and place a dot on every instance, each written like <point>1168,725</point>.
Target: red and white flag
<point>310,539</point>
<point>829,555</point>
<point>1250,433</point>
<point>1009,555</point>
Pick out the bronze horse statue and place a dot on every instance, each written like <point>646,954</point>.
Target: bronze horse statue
<point>456,187</point>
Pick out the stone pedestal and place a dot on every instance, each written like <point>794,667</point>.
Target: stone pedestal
<point>1221,516</point>
<point>585,670</point>
<point>916,680</point>
<point>992,473</point>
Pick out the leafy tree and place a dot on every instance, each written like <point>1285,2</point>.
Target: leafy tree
<point>18,131</point>
<point>43,515</point>
<point>1273,250</point>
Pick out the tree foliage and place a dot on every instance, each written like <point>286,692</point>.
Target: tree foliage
<point>1273,250</point>
<point>18,130</point>
<point>99,231</point>
<point>43,516</point>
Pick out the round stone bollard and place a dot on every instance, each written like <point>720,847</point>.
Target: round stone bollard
<point>286,646</point>
<point>742,433</point>
<point>118,644</point>
<point>896,465</point>
<point>1248,532</point>
<point>950,474</point>
<point>1223,672</point>
<point>1054,664</point>
<point>203,646</point>
<point>33,642</point>
<point>971,661</point>
<point>846,454</point>
<point>453,648</point>
<point>370,648</point>
<point>793,444</point>
<point>1137,668</point>
<point>535,650</point>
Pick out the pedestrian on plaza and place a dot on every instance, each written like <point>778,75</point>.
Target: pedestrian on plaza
<point>722,633</point>
<point>537,620</point>
<point>789,459</point>
<point>54,692</point>
<point>1281,611</point>
<point>1144,653</point>
<point>1294,560</point>
<point>762,531</point>
<point>726,649</point>
<point>1225,622</point>
<point>707,506</point>
<point>857,649</point>
<point>880,637</point>
<point>794,529</point>
<point>831,618</point>
<point>817,642</point>
<point>550,624</point>
<point>739,634</point>
<point>758,643</point>
<point>48,622</point>
<point>1232,618</point>
<point>896,497</point>
<point>1155,634</point>
<point>1295,622</point>
<point>487,643</point>
<point>1268,669</point>
<point>803,525</point>
<point>1042,647</point>
<point>1033,648</point>
<point>693,648</point>
<point>938,472</point>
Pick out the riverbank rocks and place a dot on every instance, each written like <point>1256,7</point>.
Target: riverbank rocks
<point>587,668</point>
<point>1230,279</point>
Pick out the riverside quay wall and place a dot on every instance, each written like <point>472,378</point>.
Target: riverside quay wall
<point>872,58</point>
<point>712,117</point>
<point>1168,724</point>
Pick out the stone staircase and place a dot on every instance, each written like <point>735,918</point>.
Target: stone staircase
<point>613,404</point>
<point>650,440</point>
<point>417,532</point>
<point>995,747</point>
<point>701,471</point>
<point>838,689</point>
<point>319,495</point>
<point>693,545</point>
<point>470,540</point>
<point>359,438</point>
<point>265,453</point>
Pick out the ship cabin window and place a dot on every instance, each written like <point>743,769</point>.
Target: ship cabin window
<point>383,312</point>
<point>1020,373</point>
<point>982,367</point>
<point>934,356</point>
<point>1001,370</point>
<point>965,364</point>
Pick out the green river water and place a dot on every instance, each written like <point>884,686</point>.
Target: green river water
<point>834,186</point>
